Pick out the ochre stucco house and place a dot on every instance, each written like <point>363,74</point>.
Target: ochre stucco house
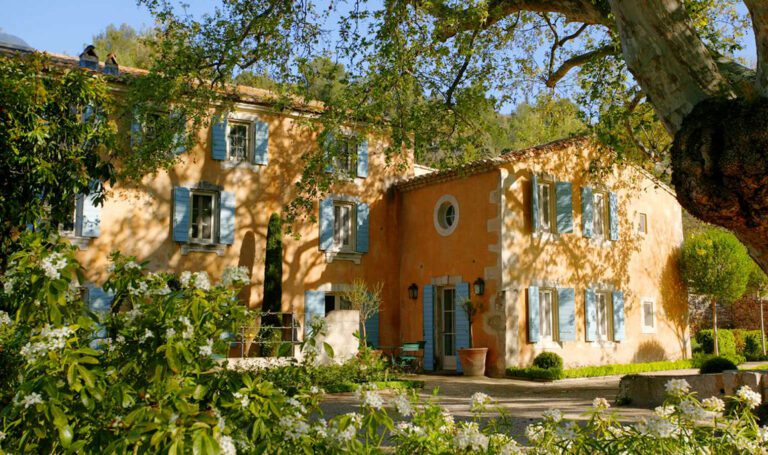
<point>579,262</point>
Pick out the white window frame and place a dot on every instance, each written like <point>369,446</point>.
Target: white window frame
<point>641,222</point>
<point>601,217</point>
<point>439,212</point>
<point>547,208</point>
<point>348,144</point>
<point>338,302</point>
<point>214,216</point>
<point>607,312</point>
<point>248,139</point>
<point>351,246</point>
<point>646,328</point>
<point>553,320</point>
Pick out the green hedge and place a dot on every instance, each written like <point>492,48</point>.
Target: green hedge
<point>740,342</point>
<point>700,359</point>
<point>547,374</point>
<point>629,368</point>
<point>725,338</point>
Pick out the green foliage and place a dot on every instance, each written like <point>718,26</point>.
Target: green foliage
<point>547,374</point>
<point>548,119</point>
<point>757,282</point>
<point>129,46</point>
<point>366,300</point>
<point>725,340</point>
<point>717,365</point>
<point>700,358</point>
<point>273,266</point>
<point>715,264</point>
<point>548,360</point>
<point>629,368</point>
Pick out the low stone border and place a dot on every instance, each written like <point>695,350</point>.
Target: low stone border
<point>648,391</point>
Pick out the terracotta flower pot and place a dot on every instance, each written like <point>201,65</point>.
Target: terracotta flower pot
<point>473,361</point>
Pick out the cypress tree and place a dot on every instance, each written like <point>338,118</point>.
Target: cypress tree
<point>273,267</point>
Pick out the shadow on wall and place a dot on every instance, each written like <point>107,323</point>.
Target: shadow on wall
<point>247,260</point>
<point>650,351</point>
<point>674,301</point>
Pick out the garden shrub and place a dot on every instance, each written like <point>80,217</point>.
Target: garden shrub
<point>548,374</point>
<point>726,341</point>
<point>548,360</point>
<point>717,365</point>
<point>628,368</point>
<point>699,359</point>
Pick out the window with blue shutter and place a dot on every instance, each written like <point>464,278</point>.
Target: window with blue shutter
<point>362,158</point>
<point>99,301</point>
<point>534,203</point>
<point>260,142</point>
<point>564,209</point>
<point>326,224</point>
<point>90,221</point>
<point>462,321</point>
<point>363,228</point>
<point>587,212</point>
<point>534,324</point>
<point>618,315</point>
<point>227,218</point>
<point>180,137</point>
<point>428,326</point>
<point>590,314</point>
<point>613,208</point>
<point>219,139</point>
<point>314,305</point>
<point>566,314</point>
<point>181,214</point>
<point>372,330</point>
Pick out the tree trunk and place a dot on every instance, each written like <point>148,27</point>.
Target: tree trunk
<point>762,326</point>
<point>714,327</point>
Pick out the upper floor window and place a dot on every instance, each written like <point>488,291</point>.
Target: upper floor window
<point>642,223</point>
<point>203,223</point>
<point>239,144</point>
<point>604,315</point>
<point>68,227</point>
<point>336,302</point>
<point>345,160</point>
<point>343,226</point>
<point>648,315</point>
<point>546,195</point>
<point>601,216</point>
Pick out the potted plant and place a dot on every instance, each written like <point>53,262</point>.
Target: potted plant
<point>472,358</point>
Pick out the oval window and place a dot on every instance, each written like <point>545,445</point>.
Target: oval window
<point>446,215</point>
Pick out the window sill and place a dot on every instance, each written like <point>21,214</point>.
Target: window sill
<point>244,165</point>
<point>645,329</point>
<point>353,256</point>
<point>544,345</point>
<point>603,344</point>
<point>187,248</point>
<point>81,243</point>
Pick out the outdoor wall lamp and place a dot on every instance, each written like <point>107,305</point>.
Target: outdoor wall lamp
<point>413,291</point>
<point>479,286</point>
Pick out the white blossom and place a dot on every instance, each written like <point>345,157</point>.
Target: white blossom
<point>296,404</point>
<point>5,319</point>
<point>713,404</point>
<point>762,434</point>
<point>139,291</point>
<point>49,340</point>
<point>554,415</point>
<point>53,264</point>
<point>147,335</point>
<point>664,411</point>
<point>185,278</point>
<point>468,437</point>
<point>370,398</point>
<point>2,436</point>
<point>170,333</point>
<point>677,387</point>
<point>749,396</point>
<point>189,330</point>
<point>294,426</point>
<point>235,276</point>
<point>567,432</point>
<point>207,349</point>
<point>402,405</point>
<point>657,427</point>
<point>479,401</point>
<point>227,446</point>
<point>244,399</point>
<point>600,404</point>
<point>407,429</point>
<point>31,400</point>
<point>534,432</point>
<point>9,284</point>
<point>504,445</point>
<point>131,265</point>
<point>133,313</point>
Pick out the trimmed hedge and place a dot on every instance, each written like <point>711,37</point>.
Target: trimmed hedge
<point>739,342</point>
<point>725,338</point>
<point>627,368</point>
<point>548,361</point>
<point>717,365</point>
<point>699,359</point>
<point>547,374</point>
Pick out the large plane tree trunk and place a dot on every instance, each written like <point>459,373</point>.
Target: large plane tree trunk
<point>720,125</point>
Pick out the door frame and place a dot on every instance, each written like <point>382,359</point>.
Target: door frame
<point>448,363</point>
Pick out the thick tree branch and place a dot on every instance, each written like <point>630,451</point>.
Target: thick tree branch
<point>758,9</point>
<point>577,60</point>
<point>454,21</point>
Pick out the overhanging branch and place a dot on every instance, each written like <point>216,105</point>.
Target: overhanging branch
<point>578,60</point>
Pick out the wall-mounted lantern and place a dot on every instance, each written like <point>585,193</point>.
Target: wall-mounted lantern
<point>479,286</point>
<point>413,291</point>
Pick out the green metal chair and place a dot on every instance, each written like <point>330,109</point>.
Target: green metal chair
<point>411,358</point>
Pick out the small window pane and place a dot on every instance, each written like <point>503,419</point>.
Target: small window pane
<point>648,314</point>
<point>642,223</point>
<point>599,220</point>
<point>450,215</point>
<point>238,141</point>
<point>343,226</point>
<point>202,227</point>
<point>545,298</point>
<point>545,206</point>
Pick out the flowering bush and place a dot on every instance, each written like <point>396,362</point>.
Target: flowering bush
<point>144,378</point>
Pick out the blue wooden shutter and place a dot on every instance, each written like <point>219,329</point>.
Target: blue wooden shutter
<point>219,139</point>
<point>590,314</point>
<point>534,203</point>
<point>314,304</point>
<point>428,311</point>
<point>372,330</point>
<point>613,206</point>
<point>566,314</point>
<point>564,196</point>
<point>462,321</point>
<point>90,221</point>
<point>99,301</point>
<point>533,314</point>
<point>362,158</point>
<point>227,218</point>
<point>363,228</point>
<point>260,142</point>
<point>618,315</point>
<point>181,214</point>
<point>326,224</point>
<point>587,212</point>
